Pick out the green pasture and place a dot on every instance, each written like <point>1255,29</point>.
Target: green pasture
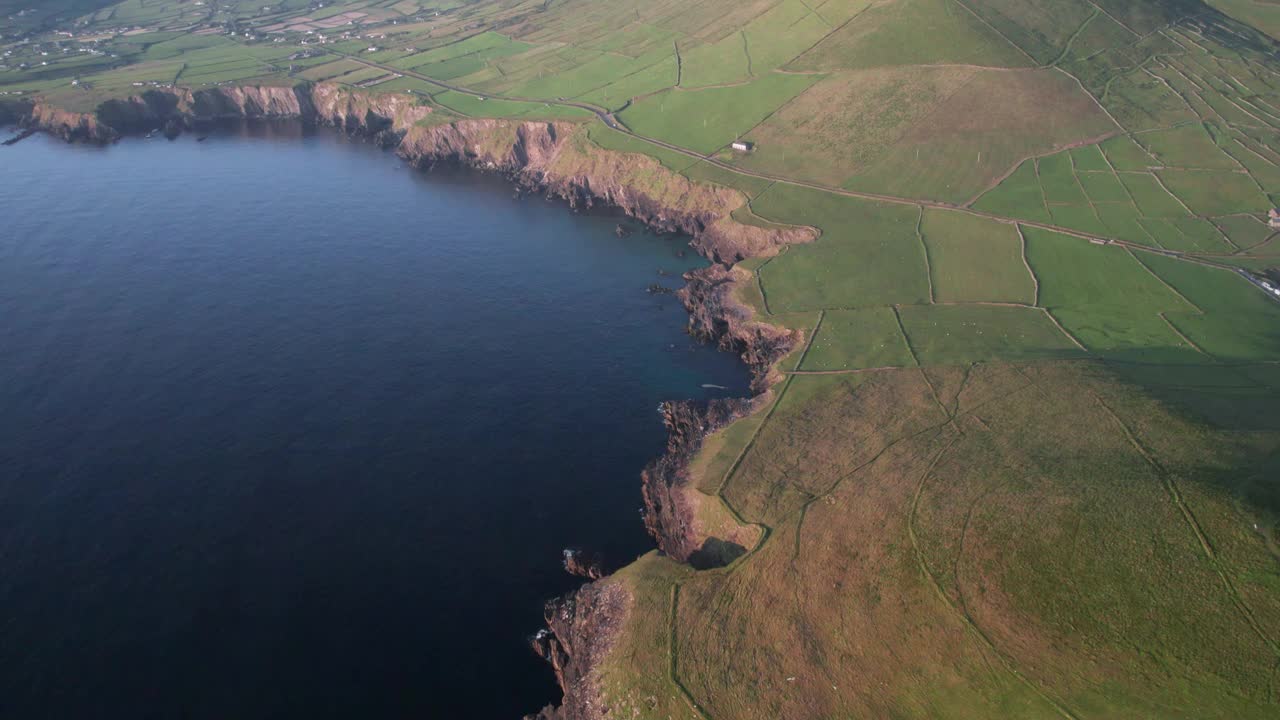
<point>868,254</point>
<point>1103,296</point>
<point>857,339</point>
<point>707,120</point>
<point>974,259</point>
<point>965,334</point>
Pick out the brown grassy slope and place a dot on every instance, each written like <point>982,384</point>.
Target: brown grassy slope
<point>995,541</point>
<point>939,133</point>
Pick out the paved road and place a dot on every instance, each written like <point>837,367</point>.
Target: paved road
<point>1269,292</point>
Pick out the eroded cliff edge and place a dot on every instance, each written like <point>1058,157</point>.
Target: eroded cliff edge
<point>558,159</point>
<point>183,108</point>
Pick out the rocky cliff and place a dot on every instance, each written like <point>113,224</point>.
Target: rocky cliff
<point>187,108</point>
<point>581,630</point>
<point>558,158</point>
<point>668,511</point>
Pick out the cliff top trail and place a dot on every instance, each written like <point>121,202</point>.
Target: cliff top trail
<point>1016,450</point>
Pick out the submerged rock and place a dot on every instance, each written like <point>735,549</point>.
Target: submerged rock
<point>584,564</point>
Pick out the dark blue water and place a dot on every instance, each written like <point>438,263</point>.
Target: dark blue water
<point>290,431</point>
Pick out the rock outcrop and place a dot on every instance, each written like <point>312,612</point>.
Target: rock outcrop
<point>668,515</point>
<point>581,629</point>
<point>716,315</point>
<point>70,126</point>
<point>13,111</point>
<point>584,563</point>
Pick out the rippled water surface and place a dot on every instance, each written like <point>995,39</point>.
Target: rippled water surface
<point>290,430</point>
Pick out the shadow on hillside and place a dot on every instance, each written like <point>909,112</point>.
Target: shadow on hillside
<point>716,553</point>
<point>1242,399</point>
<point>1229,395</point>
<point>1230,33</point>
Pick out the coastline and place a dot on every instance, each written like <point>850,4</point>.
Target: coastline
<point>558,160</point>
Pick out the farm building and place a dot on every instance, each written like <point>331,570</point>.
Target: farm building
<point>742,146</point>
<point>1273,218</point>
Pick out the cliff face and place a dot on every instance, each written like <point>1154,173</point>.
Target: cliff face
<point>668,513</point>
<point>556,158</point>
<point>714,316</point>
<point>184,108</point>
<point>549,156</point>
<point>352,111</point>
<point>70,126</point>
<point>581,630</point>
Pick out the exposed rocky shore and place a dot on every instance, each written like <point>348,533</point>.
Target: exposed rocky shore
<point>557,159</point>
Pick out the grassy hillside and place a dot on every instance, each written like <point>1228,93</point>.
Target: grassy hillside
<point>1028,462</point>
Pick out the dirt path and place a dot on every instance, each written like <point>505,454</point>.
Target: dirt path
<point>905,339</point>
<point>815,13</point>
<point>1114,19</point>
<point>994,29</point>
<point>1175,495</point>
<point>1179,333</point>
<point>1161,280</point>
<point>1063,330</point>
<point>960,613</point>
<point>1066,48</point>
<point>857,371</point>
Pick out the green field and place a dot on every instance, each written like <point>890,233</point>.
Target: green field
<point>858,339</point>
<point>1234,322</point>
<point>869,253</point>
<point>972,259</point>
<point>1018,196</point>
<point>1103,296</point>
<point>1209,193</point>
<point>707,120</point>
<point>967,334</point>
